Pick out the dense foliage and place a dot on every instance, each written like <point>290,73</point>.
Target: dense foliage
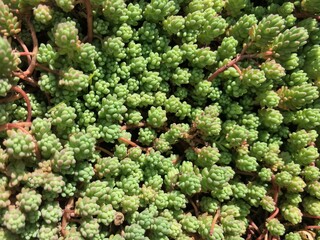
<point>159,119</point>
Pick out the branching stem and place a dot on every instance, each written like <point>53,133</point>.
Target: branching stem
<point>254,226</point>
<point>24,47</point>
<point>27,79</point>
<point>237,68</point>
<point>19,125</point>
<point>263,234</point>
<point>238,58</point>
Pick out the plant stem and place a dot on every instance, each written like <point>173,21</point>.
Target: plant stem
<point>214,221</point>
<point>32,65</point>
<point>27,100</point>
<point>89,21</point>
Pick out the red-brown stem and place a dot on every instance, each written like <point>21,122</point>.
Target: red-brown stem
<point>306,15</point>
<point>214,221</point>
<point>237,68</point>
<point>127,141</point>
<point>127,127</point>
<point>32,65</point>
<point>24,47</point>
<point>276,190</point>
<point>66,216</point>
<point>104,150</point>
<point>89,21</point>
<point>26,98</point>
<point>48,69</point>
<point>263,234</point>
<point>8,126</point>
<point>25,53</point>
<point>196,211</point>
<point>196,150</point>
<point>176,160</point>
<point>75,220</point>
<point>238,58</point>
<point>254,226</point>
<point>310,216</point>
<point>25,78</point>
<point>274,214</point>
<point>12,98</point>
<point>225,67</point>
<point>249,236</point>
<point>246,173</point>
<point>313,227</point>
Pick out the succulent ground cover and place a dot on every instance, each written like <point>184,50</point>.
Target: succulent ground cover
<point>159,119</point>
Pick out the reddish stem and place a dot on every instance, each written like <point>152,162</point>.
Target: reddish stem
<point>32,65</point>
<point>12,98</point>
<point>313,227</point>
<point>27,100</point>
<point>263,234</point>
<point>254,226</point>
<point>246,173</point>
<point>306,15</point>
<point>175,161</point>
<point>89,20</point>
<point>233,62</point>
<point>276,190</point>
<point>47,69</point>
<point>140,124</point>
<point>26,78</point>
<point>310,216</point>
<point>24,47</point>
<point>66,216</point>
<point>237,68</point>
<point>214,221</point>
<point>9,126</point>
<point>196,211</point>
<point>104,150</point>
<point>249,236</point>
<point>274,214</point>
<point>127,141</point>
<point>225,67</point>
<point>25,53</point>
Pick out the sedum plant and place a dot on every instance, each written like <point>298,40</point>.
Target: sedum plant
<point>160,119</point>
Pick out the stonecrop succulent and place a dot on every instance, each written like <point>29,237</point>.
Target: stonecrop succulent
<point>159,119</point>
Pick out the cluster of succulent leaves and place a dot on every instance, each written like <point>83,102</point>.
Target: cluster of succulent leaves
<point>132,137</point>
